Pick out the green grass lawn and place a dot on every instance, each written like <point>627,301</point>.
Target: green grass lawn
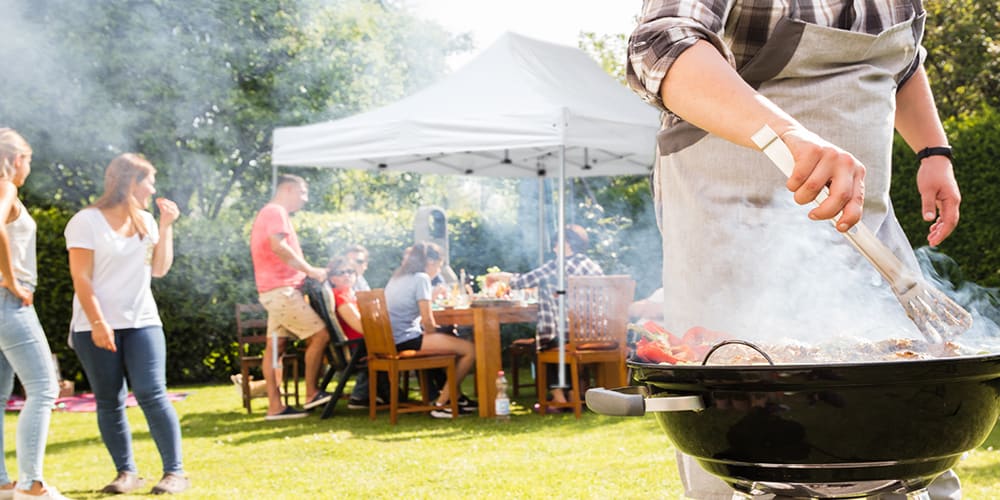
<point>230,454</point>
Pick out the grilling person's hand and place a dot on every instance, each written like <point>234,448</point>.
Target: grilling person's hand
<point>820,164</point>
<point>939,197</point>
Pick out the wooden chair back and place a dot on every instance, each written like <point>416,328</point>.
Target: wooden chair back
<point>597,308</point>
<point>383,357</point>
<point>251,338</point>
<point>251,328</point>
<point>375,322</point>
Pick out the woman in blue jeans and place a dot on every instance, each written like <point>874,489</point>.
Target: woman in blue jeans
<point>24,350</point>
<point>115,248</point>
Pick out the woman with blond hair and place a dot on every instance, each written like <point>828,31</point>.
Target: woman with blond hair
<point>24,350</point>
<point>115,248</point>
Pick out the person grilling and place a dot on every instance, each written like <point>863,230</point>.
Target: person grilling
<point>833,79</point>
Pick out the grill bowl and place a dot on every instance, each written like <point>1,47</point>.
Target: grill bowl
<point>827,428</point>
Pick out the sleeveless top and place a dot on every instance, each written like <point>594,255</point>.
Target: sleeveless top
<point>22,248</point>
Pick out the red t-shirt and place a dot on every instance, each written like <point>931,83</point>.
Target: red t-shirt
<point>345,296</point>
<point>269,271</point>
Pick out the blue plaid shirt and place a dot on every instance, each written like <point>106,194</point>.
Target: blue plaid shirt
<point>546,278</point>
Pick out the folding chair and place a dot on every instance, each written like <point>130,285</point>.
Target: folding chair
<point>343,354</point>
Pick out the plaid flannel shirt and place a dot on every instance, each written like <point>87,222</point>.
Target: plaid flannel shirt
<point>738,29</point>
<point>546,278</point>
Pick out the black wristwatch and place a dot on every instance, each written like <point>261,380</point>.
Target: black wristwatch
<point>937,151</point>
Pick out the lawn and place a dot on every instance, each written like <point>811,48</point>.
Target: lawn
<point>230,454</point>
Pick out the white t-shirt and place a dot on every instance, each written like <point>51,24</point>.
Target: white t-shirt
<point>122,271</point>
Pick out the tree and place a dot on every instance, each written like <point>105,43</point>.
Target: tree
<point>608,50</point>
<point>962,39</point>
<point>198,86</point>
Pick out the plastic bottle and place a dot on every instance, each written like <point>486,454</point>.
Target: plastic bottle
<point>502,403</point>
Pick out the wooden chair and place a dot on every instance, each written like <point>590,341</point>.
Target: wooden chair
<point>520,348</point>
<point>251,334</point>
<point>382,356</point>
<point>596,330</point>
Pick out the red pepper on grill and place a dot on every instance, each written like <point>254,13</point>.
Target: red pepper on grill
<point>653,352</point>
<point>657,345</point>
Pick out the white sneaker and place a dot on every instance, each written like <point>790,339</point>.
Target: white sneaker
<point>442,411</point>
<point>51,493</point>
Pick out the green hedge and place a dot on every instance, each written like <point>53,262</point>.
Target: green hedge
<point>975,244</point>
<point>212,271</point>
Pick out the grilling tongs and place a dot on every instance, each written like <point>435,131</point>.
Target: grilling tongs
<point>937,317</point>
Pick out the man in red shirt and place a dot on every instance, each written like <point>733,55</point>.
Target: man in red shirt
<point>279,270</point>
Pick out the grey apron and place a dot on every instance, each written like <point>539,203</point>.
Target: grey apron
<point>740,256</point>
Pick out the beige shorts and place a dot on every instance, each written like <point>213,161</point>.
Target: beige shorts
<point>289,315</point>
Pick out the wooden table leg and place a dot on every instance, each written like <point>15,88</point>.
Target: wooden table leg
<point>486,332</point>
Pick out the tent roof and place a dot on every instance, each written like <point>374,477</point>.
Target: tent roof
<point>504,114</point>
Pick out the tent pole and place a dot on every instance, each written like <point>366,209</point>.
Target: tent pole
<point>541,221</point>
<point>561,256</point>
<point>274,179</point>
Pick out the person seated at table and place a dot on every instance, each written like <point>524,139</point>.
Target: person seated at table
<point>342,275</point>
<point>408,298</point>
<point>546,279</point>
<point>357,255</point>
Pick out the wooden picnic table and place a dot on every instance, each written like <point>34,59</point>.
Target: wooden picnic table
<point>485,322</point>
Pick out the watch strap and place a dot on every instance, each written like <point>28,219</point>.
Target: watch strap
<point>935,151</point>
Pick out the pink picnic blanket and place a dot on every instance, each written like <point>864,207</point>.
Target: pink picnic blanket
<point>83,402</point>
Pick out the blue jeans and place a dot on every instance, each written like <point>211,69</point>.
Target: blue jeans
<point>142,355</point>
<point>24,350</point>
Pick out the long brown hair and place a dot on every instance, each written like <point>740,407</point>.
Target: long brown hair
<point>120,179</point>
<point>11,145</point>
<point>416,258</point>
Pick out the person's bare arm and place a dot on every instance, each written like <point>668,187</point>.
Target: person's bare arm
<point>351,315</point>
<point>427,316</point>
<point>163,252</point>
<point>918,123</point>
<point>704,89</point>
<point>8,194</point>
<point>287,255</point>
<point>81,270</point>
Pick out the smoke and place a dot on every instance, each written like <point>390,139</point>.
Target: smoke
<point>982,302</point>
<point>784,280</point>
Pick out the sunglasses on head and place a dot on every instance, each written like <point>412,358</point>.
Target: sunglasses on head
<point>343,272</point>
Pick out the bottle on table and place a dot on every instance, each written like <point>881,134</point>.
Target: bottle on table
<point>502,402</point>
<point>462,299</point>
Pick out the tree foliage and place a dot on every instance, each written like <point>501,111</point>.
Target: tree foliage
<point>198,86</point>
<point>962,39</point>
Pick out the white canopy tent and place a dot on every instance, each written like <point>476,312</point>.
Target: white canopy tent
<point>523,108</point>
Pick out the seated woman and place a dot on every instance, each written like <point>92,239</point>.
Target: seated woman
<point>408,298</point>
<point>342,307</point>
<point>342,275</point>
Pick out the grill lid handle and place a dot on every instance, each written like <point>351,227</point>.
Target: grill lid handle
<point>632,402</point>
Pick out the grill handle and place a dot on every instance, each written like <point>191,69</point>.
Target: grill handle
<point>632,402</point>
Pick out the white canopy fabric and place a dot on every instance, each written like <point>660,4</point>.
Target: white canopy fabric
<point>507,113</point>
<point>523,108</point>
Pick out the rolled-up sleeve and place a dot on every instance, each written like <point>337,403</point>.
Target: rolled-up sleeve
<point>666,29</point>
